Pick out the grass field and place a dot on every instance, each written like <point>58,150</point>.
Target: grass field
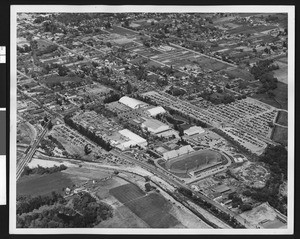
<point>239,73</point>
<point>126,193</point>
<point>280,135</point>
<point>152,208</point>
<point>43,184</point>
<point>282,118</point>
<point>194,160</point>
<point>281,97</point>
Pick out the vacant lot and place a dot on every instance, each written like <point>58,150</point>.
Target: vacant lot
<point>43,184</point>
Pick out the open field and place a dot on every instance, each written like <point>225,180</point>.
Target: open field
<point>153,208</point>
<point>24,134</point>
<point>43,184</point>
<point>281,97</point>
<point>280,135</point>
<point>127,193</point>
<point>282,118</point>
<point>239,73</point>
<point>123,218</point>
<point>121,31</point>
<point>282,73</point>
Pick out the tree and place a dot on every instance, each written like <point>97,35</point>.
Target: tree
<point>62,70</point>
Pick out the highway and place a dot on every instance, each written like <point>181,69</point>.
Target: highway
<point>24,161</point>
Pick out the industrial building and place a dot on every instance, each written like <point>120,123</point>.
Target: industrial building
<point>132,139</point>
<point>132,103</point>
<point>156,111</point>
<point>194,130</point>
<point>155,126</point>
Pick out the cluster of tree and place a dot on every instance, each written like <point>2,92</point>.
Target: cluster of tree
<point>54,140</point>
<point>211,208</point>
<point>111,98</point>
<point>262,71</point>
<point>63,70</point>
<point>24,49</point>
<point>91,135</point>
<point>175,91</point>
<point>276,158</point>
<point>41,170</point>
<point>27,204</point>
<point>46,50</point>
<point>149,187</point>
<point>100,109</point>
<point>53,27</point>
<point>40,19</point>
<point>238,202</point>
<point>145,99</point>
<point>85,213</point>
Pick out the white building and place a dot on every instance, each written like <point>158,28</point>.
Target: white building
<point>156,110</point>
<point>132,103</point>
<point>133,140</point>
<point>194,130</point>
<point>155,126</point>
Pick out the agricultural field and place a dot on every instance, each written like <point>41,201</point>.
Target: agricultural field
<point>35,185</point>
<point>152,208</point>
<point>282,118</point>
<point>280,135</point>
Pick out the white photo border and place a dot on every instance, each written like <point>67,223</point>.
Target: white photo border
<point>289,9</point>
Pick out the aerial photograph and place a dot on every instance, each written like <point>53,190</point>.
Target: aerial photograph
<point>152,120</point>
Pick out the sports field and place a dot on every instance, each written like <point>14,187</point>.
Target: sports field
<point>197,160</point>
<point>152,208</point>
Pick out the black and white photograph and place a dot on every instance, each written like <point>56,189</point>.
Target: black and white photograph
<point>152,119</point>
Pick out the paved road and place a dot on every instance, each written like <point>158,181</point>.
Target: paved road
<point>24,161</point>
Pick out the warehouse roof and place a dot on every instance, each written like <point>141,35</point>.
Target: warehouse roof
<point>194,130</point>
<point>154,124</point>
<point>156,110</point>
<point>132,136</point>
<point>131,102</point>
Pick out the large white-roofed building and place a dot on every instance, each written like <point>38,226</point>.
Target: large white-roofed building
<point>194,130</point>
<point>170,154</point>
<point>133,140</point>
<point>155,126</point>
<point>156,110</point>
<point>132,103</point>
